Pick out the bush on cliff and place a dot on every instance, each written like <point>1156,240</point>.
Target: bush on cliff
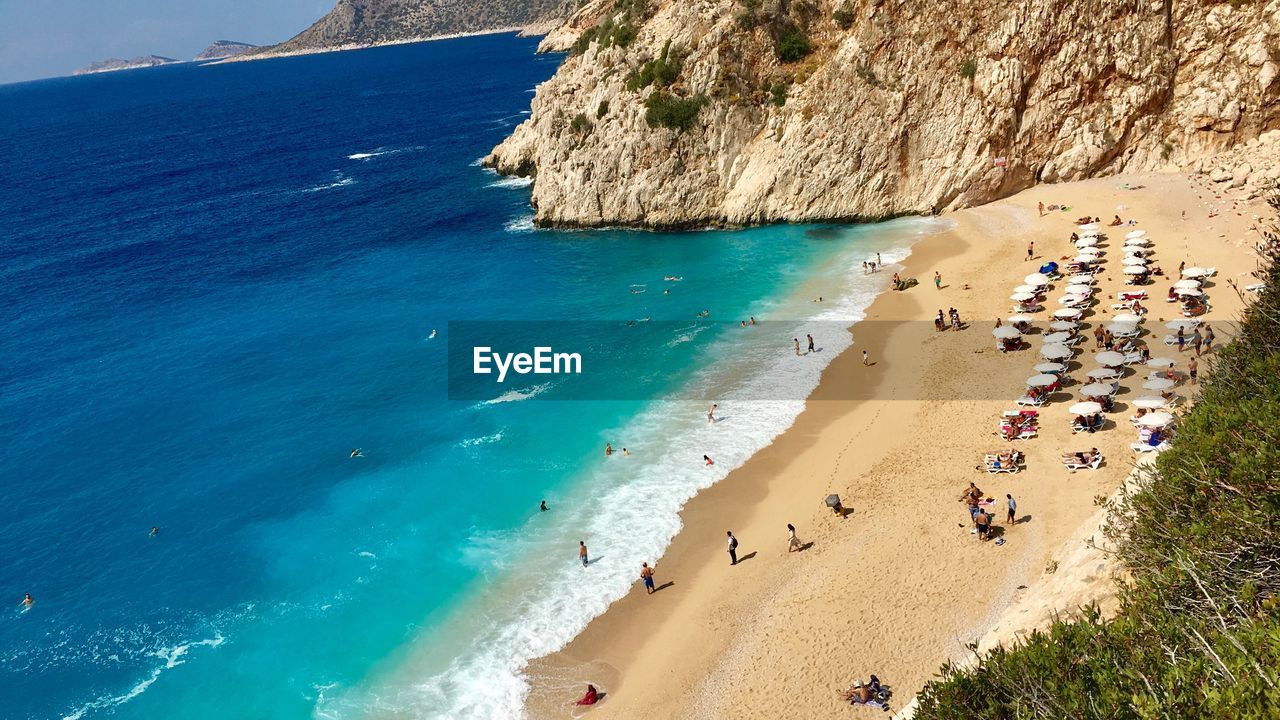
<point>669,111</point>
<point>1198,631</point>
<point>793,45</point>
<point>661,71</point>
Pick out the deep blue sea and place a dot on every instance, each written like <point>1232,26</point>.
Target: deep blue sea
<point>217,281</point>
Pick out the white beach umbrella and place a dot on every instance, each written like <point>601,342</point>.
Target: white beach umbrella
<point>1026,289</point>
<point>1085,259</point>
<point>1058,338</point>
<point>1055,352</point>
<point>1188,284</point>
<point>1127,318</point>
<point>1037,279</point>
<point>1089,233</point>
<point>1005,332</point>
<point>1087,407</point>
<point>1122,328</point>
<point>1134,234</point>
<point>1095,390</point>
<point>1150,402</point>
<point>1189,292</point>
<point>1080,280</point>
<point>1022,296</point>
<point>1044,380</point>
<point>1155,420</point>
<point>1088,226</point>
<point>1020,319</point>
<point>1050,367</point>
<point>1194,272</point>
<point>1134,270</point>
<point>1141,242</point>
<point>1184,325</point>
<point>1134,262</point>
<point>1109,359</point>
<point>1158,384</point>
<point>1073,300</point>
<point>1067,313</point>
<point>1161,362</point>
<point>1063,326</point>
<point>1085,242</point>
<point>1104,373</point>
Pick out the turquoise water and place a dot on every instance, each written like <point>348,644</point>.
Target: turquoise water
<point>220,280</point>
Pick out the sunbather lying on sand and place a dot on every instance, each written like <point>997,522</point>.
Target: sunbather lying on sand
<point>1080,458</point>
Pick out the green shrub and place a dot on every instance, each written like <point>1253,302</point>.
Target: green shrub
<point>580,125</point>
<point>602,109</point>
<point>969,69</point>
<point>778,93</point>
<point>620,28</point>
<point>843,17</point>
<point>793,45</point>
<point>662,71</point>
<point>669,111</point>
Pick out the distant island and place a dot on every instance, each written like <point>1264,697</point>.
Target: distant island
<point>113,64</point>
<point>221,49</point>
<point>363,23</point>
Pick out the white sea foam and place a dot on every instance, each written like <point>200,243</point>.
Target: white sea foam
<point>522,224</point>
<point>381,151</point>
<point>626,508</point>
<point>516,395</point>
<point>512,182</point>
<point>172,657</point>
<point>486,439</point>
<point>339,180</point>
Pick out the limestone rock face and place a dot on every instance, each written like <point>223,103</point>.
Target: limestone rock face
<point>899,107</point>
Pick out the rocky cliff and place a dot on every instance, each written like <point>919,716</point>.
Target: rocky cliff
<point>372,22</point>
<point>688,112</point>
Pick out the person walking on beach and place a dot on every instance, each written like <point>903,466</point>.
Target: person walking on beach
<point>878,262</point>
<point>711,413</point>
<point>810,337</point>
<point>1041,209</point>
<point>1208,338</point>
<point>866,360</point>
<point>937,280</point>
<point>1031,250</point>
<point>1193,370</point>
<point>1182,339</point>
<point>646,575</point>
<point>793,542</point>
<point>582,552</point>
<point>796,343</point>
<point>1196,341</point>
<point>733,548</point>
<point>1013,509</point>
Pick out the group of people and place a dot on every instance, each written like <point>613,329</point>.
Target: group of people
<point>952,320</point>
<point>978,515</point>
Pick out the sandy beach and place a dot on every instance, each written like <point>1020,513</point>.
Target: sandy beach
<point>900,585</point>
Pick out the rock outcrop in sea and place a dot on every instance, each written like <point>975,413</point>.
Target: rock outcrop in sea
<point>224,49</point>
<point>113,64</point>
<point>674,113</point>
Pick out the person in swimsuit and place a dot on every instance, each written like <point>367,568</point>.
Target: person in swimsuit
<point>28,601</point>
<point>646,574</point>
<point>582,552</point>
<point>793,542</point>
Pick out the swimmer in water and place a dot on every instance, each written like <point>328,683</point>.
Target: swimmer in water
<point>542,506</point>
<point>432,336</point>
<point>707,459</point>
<point>608,449</point>
<point>154,531</point>
<point>626,452</point>
<point>28,601</point>
<point>357,452</point>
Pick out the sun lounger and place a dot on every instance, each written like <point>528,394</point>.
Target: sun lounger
<point>1033,401</point>
<point>1145,447</point>
<point>1074,463</point>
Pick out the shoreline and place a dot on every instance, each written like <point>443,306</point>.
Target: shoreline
<point>782,633</point>
<point>361,46</point>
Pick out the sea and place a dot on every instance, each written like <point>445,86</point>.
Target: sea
<point>219,282</point>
